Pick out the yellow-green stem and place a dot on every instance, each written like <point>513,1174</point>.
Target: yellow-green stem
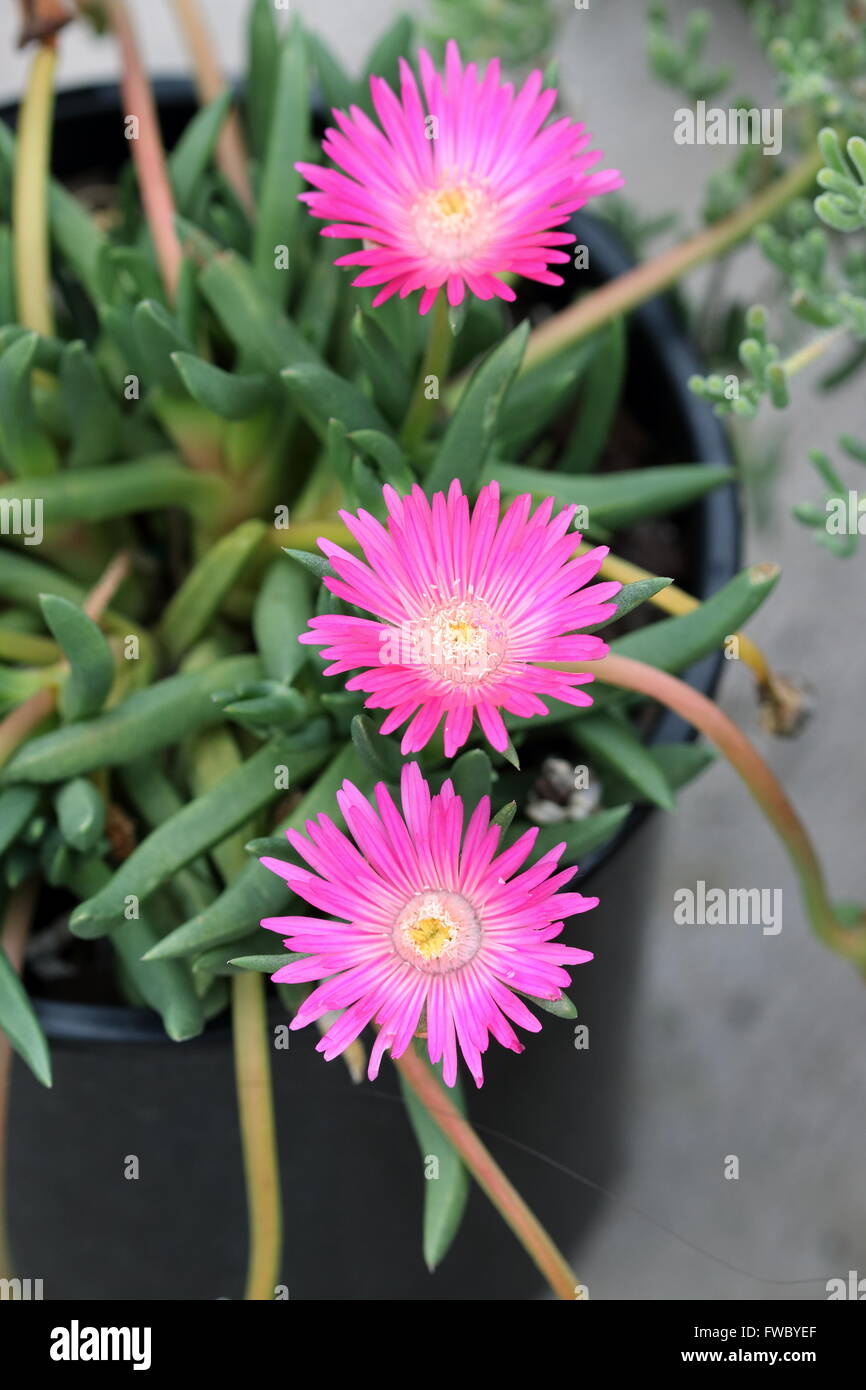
<point>770,796</point>
<point>435,364</point>
<point>810,352</point>
<point>258,1134</point>
<point>30,196</point>
<point>489,1176</point>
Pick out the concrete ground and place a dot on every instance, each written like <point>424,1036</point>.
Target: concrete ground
<point>750,1045</point>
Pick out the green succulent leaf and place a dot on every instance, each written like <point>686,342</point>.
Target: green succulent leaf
<point>263,65</point>
<point>256,892</point>
<point>631,596</point>
<point>80,814</point>
<point>231,395</point>
<point>188,614</point>
<point>194,150</point>
<point>250,316</point>
<point>678,763</point>
<point>504,816</point>
<point>337,87</point>
<point>266,965</point>
<point>204,822</point>
<point>380,754</point>
<point>17,805</point>
<point>165,713</point>
<point>73,231</point>
<point>282,612</point>
<point>280,183</point>
<point>319,300</point>
<point>582,836</point>
<point>539,396</point>
<point>321,396</point>
<point>472,775</point>
<point>470,434</point>
<point>382,365</point>
<point>384,59</point>
<point>269,705</point>
<point>614,743</point>
<point>157,338</point>
<point>25,446</point>
<point>19,1022</point>
<point>387,454</point>
<point>95,418</point>
<point>310,560</point>
<point>91,664</point>
<point>446,1190</point>
<point>560,1008</point>
<point>101,494</point>
<point>600,397</point>
<point>615,499</point>
<point>675,643</point>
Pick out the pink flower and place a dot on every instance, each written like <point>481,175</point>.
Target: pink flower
<point>465,606</point>
<point>434,930</point>
<point>458,188</point>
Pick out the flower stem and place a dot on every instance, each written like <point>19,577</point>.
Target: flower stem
<point>699,711</point>
<point>810,352</point>
<point>147,151</point>
<point>489,1176</point>
<point>23,720</point>
<point>435,363</point>
<point>13,940</point>
<point>232,154</point>
<point>781,703</point>
<point>30,196</point>
<point>636,286</point>
<point>258,1135</point>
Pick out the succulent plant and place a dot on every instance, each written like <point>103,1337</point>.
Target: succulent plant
<point>190,389</point>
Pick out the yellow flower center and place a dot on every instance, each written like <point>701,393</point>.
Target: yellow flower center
<point>430,936</point>
<point>437,931</point>
<point>463,642</point>
<point>452,202</point>
<point>454,223</point>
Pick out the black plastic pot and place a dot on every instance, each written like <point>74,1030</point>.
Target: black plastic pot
<point>352,1177</point>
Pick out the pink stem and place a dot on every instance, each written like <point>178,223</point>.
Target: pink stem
<point>489,1176</point>
<point>147,152</point>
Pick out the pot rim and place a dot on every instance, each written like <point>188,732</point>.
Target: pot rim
<point>717,557</point>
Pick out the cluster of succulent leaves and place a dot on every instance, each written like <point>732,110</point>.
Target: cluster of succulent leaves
<point>765,374</point>
<point>187,433</point>
<point>817,49</point>
<point>516,31</point>
<point>841,542</point>
<point>680,62</point>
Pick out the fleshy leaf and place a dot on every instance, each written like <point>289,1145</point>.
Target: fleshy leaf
<point>91,664</point>
<point>446,1186</point>
<point>19,1022</point>
<point>468,438</point>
